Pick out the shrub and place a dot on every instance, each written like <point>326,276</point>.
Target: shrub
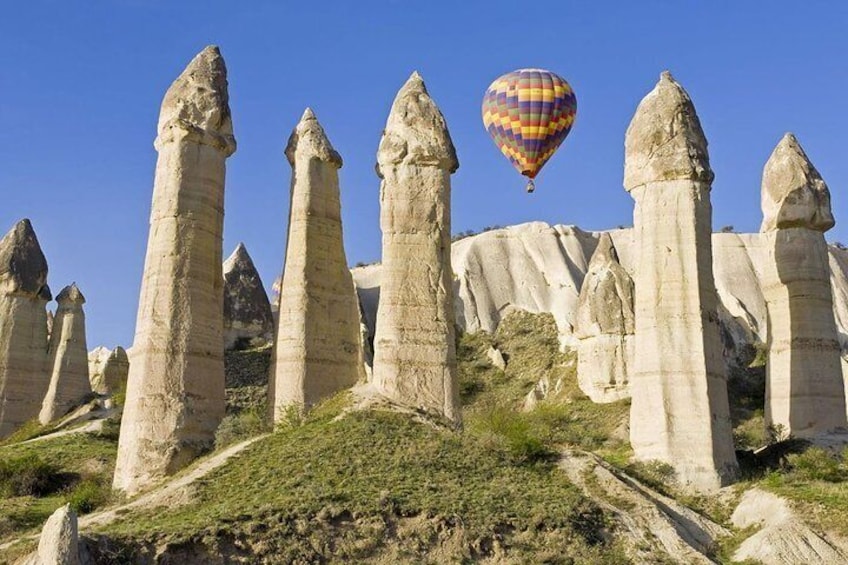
<point>512,434</point>
<point>240,426</point>
<point>88,495</point>
<point>816,464</point>
<point>28,476</point>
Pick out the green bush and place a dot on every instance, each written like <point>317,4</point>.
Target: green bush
<point>512,434</point>
<point>816,464</point>
<point>88,495</point>
<point>241,426</point>
<point>28,476</point>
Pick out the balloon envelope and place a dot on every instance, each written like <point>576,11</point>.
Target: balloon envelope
<point>529,113</point>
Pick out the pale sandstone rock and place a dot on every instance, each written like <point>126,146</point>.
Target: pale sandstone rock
<point>782,537</point>
<point>23,327</point>
<point>108,369</point>
<point>317,350</point>
<point>496,358</point>
<point>68,357</point>
<point>414,348</point>
<point>804,387</point>
<point>59,542</point>
<point>175,390</point>
<point>679,412</point>
<point>605,326</point>
<point>50,318</point>
<point>247,311</point>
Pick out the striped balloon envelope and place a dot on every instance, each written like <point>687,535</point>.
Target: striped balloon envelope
<point>529,113</point>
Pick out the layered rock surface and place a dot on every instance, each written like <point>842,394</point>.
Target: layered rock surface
<point>605,326</point>
<point>108,369</point>
<point>68,357</point>
<point>247,311</point>
<point>23,327</point>
<point>414,348</point>
<point>318,349</point>
<point>805,393</point>
<point>679,412</point>
<point>175,391</point>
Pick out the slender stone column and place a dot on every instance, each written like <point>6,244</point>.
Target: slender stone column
<point>605,326</point>
<point>317,350</point>
<point>23,327</point>
<point>679,411</point>
<point>175,390</point>
<point>414,349</point>
<point>804,388</point>
<point>68,357</point>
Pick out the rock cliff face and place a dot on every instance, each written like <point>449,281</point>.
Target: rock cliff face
<point>175,391</point>
<point>414,346</point>
<point>317,350</point>
<point>804,387</point>
<point>247,311</point>
<point>23,327</point>
<point>605,326</point>
<point>68,357</point>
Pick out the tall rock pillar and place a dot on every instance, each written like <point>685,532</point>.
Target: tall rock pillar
<point>414,349</point>
<point>68,357</point>
<point>23,327</point>
<point>679,412</point>
<point>317,350</point>
<point>175,390</point>
<point>804,389</point>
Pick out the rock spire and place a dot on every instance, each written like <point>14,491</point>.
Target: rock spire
<point>175,391</point>
<point>68,357</point>
<point>414,349</point>
<point>108,369</point>
<point>804,389</point>
<point>23,327</point>
<point>605,326</point>
<point>247,311</point>
<point>318,348</point>
<point>679,412</point>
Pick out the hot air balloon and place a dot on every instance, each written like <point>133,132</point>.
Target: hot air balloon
<point>529,113</point>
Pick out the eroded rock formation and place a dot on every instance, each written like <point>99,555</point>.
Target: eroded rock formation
<point>247,311</point>
<point>59,542</point>
<point>68,357</point>
<point>23,327</point>
<point>679,411</point>
<point>804,388</point>
<point>318,347</point>
<point>175,390</point>
<point>108,369</point>
<point>414,349</point>
<point>605,326</point>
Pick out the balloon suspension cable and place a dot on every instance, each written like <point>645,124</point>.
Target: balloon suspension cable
<point>531,186</point>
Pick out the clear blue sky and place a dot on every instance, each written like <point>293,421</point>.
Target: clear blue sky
<point>81,84</point>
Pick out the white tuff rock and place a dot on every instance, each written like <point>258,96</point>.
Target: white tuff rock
<point>414,348</point>
<point>68,357</point>
<point>804,386</point>
<point>679,412</point>
<point>59,542</point>
<point>605,326</point>
<point>175,390</point>
<point>318,349</point>
<point>23,327</point>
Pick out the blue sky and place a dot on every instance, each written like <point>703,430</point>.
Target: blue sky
<point>81,84</point>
